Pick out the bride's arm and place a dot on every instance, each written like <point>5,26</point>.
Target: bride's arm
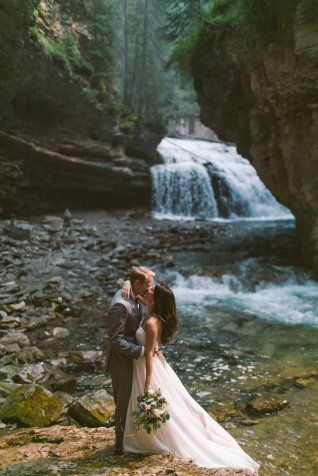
<point>151,328</point>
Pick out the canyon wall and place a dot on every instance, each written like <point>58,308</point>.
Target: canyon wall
<point>62,143</point>
<point>262,95</point>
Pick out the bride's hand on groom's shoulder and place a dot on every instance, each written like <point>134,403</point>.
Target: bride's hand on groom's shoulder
<point>126,289</point>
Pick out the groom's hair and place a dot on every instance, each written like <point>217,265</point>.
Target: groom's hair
<point>141,273</point>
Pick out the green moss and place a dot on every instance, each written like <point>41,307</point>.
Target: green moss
<point>31,405</point>
<point>93,410</point>
<point>259,22</point>
<point>129,123</point>
<point>64,49</point>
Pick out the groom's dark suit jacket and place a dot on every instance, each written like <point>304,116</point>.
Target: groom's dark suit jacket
<point>123,320</point>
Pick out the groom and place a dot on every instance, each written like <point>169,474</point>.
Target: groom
<point>123,320</point>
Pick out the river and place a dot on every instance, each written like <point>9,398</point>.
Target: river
<point>247,344</point>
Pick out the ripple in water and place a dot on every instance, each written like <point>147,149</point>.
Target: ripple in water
<point>291,299</point>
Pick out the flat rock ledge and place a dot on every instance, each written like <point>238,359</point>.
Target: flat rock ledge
<point>66,450</point>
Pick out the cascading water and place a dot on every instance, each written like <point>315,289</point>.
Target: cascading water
<point>209,180</point>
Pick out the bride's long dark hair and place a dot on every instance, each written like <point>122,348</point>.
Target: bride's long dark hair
<point>164,307</point>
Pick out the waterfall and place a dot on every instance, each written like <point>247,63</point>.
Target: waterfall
<point>209,180</point>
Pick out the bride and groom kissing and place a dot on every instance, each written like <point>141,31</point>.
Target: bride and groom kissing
<point>136,365</point>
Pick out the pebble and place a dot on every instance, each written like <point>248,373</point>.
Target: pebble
<point>60,332</point>
<point>18,306</point>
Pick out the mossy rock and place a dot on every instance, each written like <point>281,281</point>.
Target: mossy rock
<point>31,405</point>
<point>94,409</point>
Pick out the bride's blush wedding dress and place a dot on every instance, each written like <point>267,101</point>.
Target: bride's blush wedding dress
<point>190,433</point>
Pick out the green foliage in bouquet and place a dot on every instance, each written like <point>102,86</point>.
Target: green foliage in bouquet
<point>151,411</point>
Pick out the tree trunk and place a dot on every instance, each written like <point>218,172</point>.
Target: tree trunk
<point>143,61</point>
<point>131,90</point>
<point>125,54</point>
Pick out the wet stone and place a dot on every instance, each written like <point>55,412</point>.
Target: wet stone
<point>86,356</point>
<point>18,306</point>
<point>60,332</point>
<point>15,338</point>
<point>18,230</point>
<point>55,281</point>
<point>29,374</point>
<point>12,348</point>
<point>29,354</point>
<point>34,322</point>
<point>9,322</point>
<point>267,404</point>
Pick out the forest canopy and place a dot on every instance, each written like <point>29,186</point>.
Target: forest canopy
<point>137,54</point>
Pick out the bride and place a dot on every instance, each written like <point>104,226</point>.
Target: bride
<point>191,432</point>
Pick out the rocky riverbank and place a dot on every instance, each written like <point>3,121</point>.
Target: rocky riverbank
<point>58,274</point>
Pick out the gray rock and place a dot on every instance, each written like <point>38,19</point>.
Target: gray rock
<point>53,220</point>
<point>55,280</point>
<point>2,350</point>
<point>64,397</point>
<point>59,363</point>
<point>34,322</point>
<point>18,306</point>
<point>59,380</point>
<point>29,354</point>
<point>15,338</point>
<point>60,332</point>
<point>18,230</point>
<point>94,381</point>
<point>12,348</point>
<point>29,374</point>
<point>9,322</point>
<point>87,356</point>
<point>7,387</point>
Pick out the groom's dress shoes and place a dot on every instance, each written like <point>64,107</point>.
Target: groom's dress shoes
<point>117,451</point>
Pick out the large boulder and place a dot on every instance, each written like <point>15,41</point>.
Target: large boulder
<point>31,405</point>
<point>94,409</point>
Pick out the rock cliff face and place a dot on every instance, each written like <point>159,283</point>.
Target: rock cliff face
<point>60,138</point>
<point>263,96</point>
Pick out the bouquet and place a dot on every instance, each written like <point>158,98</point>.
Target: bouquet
<point>151,411</point>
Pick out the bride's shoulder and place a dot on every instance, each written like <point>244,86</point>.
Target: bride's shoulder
<point>151,323</point>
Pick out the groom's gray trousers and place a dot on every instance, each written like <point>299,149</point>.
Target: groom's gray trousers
<point>123,319</point>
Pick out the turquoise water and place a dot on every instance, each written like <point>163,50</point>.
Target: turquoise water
<point>252,331</point>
